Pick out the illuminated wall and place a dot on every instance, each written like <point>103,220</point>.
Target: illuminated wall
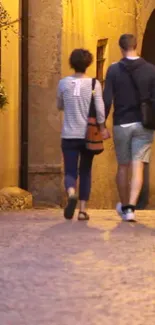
<point>55,28</point>
<point>84,23</point>
<point>9,120</point>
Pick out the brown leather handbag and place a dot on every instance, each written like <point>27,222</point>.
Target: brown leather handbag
<point>94,141</point>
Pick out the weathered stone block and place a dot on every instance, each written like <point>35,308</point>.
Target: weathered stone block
<point>45,182</point>
<point>14,198</point>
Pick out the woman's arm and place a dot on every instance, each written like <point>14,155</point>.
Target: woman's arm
<point>60,103</point>
<point>99,104</point>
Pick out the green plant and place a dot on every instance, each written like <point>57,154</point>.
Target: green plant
<point>6,23</point>
<point>3,97</point>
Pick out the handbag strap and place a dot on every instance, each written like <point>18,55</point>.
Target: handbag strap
<point>92,110</point>
<point>93,83</point>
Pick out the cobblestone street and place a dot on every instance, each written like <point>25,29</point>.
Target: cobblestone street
<point>55,272</point>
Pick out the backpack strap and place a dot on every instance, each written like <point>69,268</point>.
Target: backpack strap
<point>133,82</point>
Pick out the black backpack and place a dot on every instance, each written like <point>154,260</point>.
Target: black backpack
<point>147,107</point>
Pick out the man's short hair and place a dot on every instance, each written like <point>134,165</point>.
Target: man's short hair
<point>128,42</point>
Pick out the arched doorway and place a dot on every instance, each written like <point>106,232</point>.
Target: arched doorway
<point>148,47</point>
<point>148,53</point>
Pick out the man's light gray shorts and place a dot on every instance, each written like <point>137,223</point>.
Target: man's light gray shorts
<point>132,143</point>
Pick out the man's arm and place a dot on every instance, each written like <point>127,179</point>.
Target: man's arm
<point>108,92</point>
<point>100,111</point>
<point>153,90</point>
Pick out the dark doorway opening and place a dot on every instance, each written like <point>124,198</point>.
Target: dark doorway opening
<point>148,53</point>
<point>101,48</point>
<point>148,47</point>
<point>24,96</point>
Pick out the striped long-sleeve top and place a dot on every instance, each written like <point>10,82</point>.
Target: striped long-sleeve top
<point>74,96</point>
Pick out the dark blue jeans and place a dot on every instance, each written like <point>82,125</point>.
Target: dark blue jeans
<point>77,161</point>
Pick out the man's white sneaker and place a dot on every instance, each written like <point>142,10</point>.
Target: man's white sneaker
<point>119,209</point>
<point>127,215</point>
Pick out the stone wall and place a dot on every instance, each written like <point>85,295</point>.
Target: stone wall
<point>84,23</point>
<point>55,30</point>
<point>45,21</point>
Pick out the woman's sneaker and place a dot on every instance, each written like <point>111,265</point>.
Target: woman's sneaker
<point>127,213</point>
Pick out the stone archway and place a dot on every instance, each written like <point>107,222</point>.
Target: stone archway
<point>148,53</point>
<point>148,46</point>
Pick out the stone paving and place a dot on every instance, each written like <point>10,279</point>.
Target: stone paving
<point>57,272</point>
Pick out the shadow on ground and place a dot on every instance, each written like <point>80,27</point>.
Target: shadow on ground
<point>61,273</point>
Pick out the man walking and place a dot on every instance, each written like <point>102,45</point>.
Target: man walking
<point>132,141</point>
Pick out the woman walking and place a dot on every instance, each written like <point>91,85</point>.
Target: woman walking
<point>74,97</point>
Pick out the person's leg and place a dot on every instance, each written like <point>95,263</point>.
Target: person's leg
<point>71,173</point>
<point>143,199</point>
<point>135,189</point>
<point>122,142</point>
<point>122,181</point>
<point>136,182</point>
<point>141,151</point>
<point>70,170</point>
<point>85,170</point>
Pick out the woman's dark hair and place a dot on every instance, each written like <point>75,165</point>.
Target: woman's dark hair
<point>128,42</point>
<point>80,60</point>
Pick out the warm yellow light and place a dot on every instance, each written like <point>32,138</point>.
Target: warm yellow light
<point>9,120</point>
